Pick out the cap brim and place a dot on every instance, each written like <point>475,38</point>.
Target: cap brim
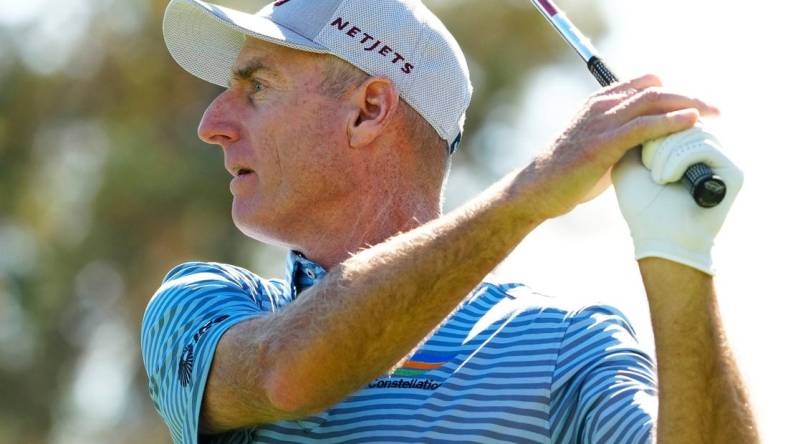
<point>205,39</point>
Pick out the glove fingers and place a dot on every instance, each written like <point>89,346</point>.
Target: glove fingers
<point>677,164</point>
<point>669,157</point>
<point>681,158</point>
<point>657,151</point>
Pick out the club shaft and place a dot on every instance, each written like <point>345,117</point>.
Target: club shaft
<point>567,29</point>
<point>706,188</point>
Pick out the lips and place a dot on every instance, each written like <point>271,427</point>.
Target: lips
<point>243,180</point>
<point>244,177</point>
<point>238,169</point>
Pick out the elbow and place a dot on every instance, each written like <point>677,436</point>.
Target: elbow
<point>291,395</point>
<point>294,379</point>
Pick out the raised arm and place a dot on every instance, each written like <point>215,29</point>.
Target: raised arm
<point>373,309</point>
<point>701,395</point>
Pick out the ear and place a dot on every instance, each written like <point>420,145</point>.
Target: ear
<point>375,104</point>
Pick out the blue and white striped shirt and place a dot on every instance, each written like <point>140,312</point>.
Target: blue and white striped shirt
<point>507,366</point>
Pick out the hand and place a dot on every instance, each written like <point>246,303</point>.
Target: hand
<point>612,121</point>
<point>663,219</point>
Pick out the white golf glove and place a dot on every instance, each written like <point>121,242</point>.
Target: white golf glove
<point>663,218</point>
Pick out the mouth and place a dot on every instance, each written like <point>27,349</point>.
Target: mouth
<point>243,179</point>
<point>240,171</point>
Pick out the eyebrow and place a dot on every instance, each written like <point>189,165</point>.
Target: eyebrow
<point>252,67</point>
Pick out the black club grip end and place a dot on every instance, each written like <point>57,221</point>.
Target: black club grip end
<point>706,188</point>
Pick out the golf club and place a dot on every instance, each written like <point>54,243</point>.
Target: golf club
<point>706,188</point>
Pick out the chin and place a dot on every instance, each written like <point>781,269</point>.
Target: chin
<point>253,223</point>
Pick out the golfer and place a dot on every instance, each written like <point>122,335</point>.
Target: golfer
<point>337,126</point>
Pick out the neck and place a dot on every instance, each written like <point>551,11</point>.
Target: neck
<point>368,222</point>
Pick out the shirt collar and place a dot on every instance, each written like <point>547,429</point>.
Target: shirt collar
<point>302,273</point>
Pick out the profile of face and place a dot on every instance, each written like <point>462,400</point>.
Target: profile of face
<point>285,141</point>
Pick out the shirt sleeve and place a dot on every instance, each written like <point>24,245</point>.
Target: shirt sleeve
<point>181,327</point>
<point>604,385</point>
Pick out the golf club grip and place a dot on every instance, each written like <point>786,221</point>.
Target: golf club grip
<point>706,188</point>
<point>603,75</point>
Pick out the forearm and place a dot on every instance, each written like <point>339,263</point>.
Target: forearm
<point>701,394</point>
<point>373,309</point>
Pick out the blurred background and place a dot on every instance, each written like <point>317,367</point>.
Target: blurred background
<point>104,185</point>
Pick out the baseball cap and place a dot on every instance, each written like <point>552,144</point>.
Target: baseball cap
<point>398,39</point>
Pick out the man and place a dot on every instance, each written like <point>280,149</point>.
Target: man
<point>337,126</point>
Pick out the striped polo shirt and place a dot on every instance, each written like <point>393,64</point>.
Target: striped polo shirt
<point>509,365</point>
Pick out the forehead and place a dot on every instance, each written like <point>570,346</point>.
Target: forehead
<point>275,60</point>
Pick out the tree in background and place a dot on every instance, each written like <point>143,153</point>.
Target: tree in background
<point>104,187</point>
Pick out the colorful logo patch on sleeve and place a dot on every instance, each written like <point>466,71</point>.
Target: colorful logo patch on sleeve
<point>422,362</point>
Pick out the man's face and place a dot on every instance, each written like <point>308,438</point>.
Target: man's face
<point>284,141</point>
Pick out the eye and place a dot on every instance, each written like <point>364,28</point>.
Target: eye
<point>255,90</point>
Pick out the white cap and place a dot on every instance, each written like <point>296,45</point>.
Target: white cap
<point>398,39</point>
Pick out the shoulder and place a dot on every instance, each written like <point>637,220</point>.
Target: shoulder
<point>197,280</point>
<point>598,317</point>
<point>572,313</point>
<point>196,292</point>
<point>568,308</point>
<point>197,274</point>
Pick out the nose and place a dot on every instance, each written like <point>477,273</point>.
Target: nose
<point>219,122</point>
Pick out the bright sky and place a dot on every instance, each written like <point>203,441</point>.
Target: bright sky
<point>729,55</point>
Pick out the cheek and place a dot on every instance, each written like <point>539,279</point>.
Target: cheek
<point>313,139</point>
<point>317,121</point>
<point>301,151</point>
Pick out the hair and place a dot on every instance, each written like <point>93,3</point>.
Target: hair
<point>341,76</point>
